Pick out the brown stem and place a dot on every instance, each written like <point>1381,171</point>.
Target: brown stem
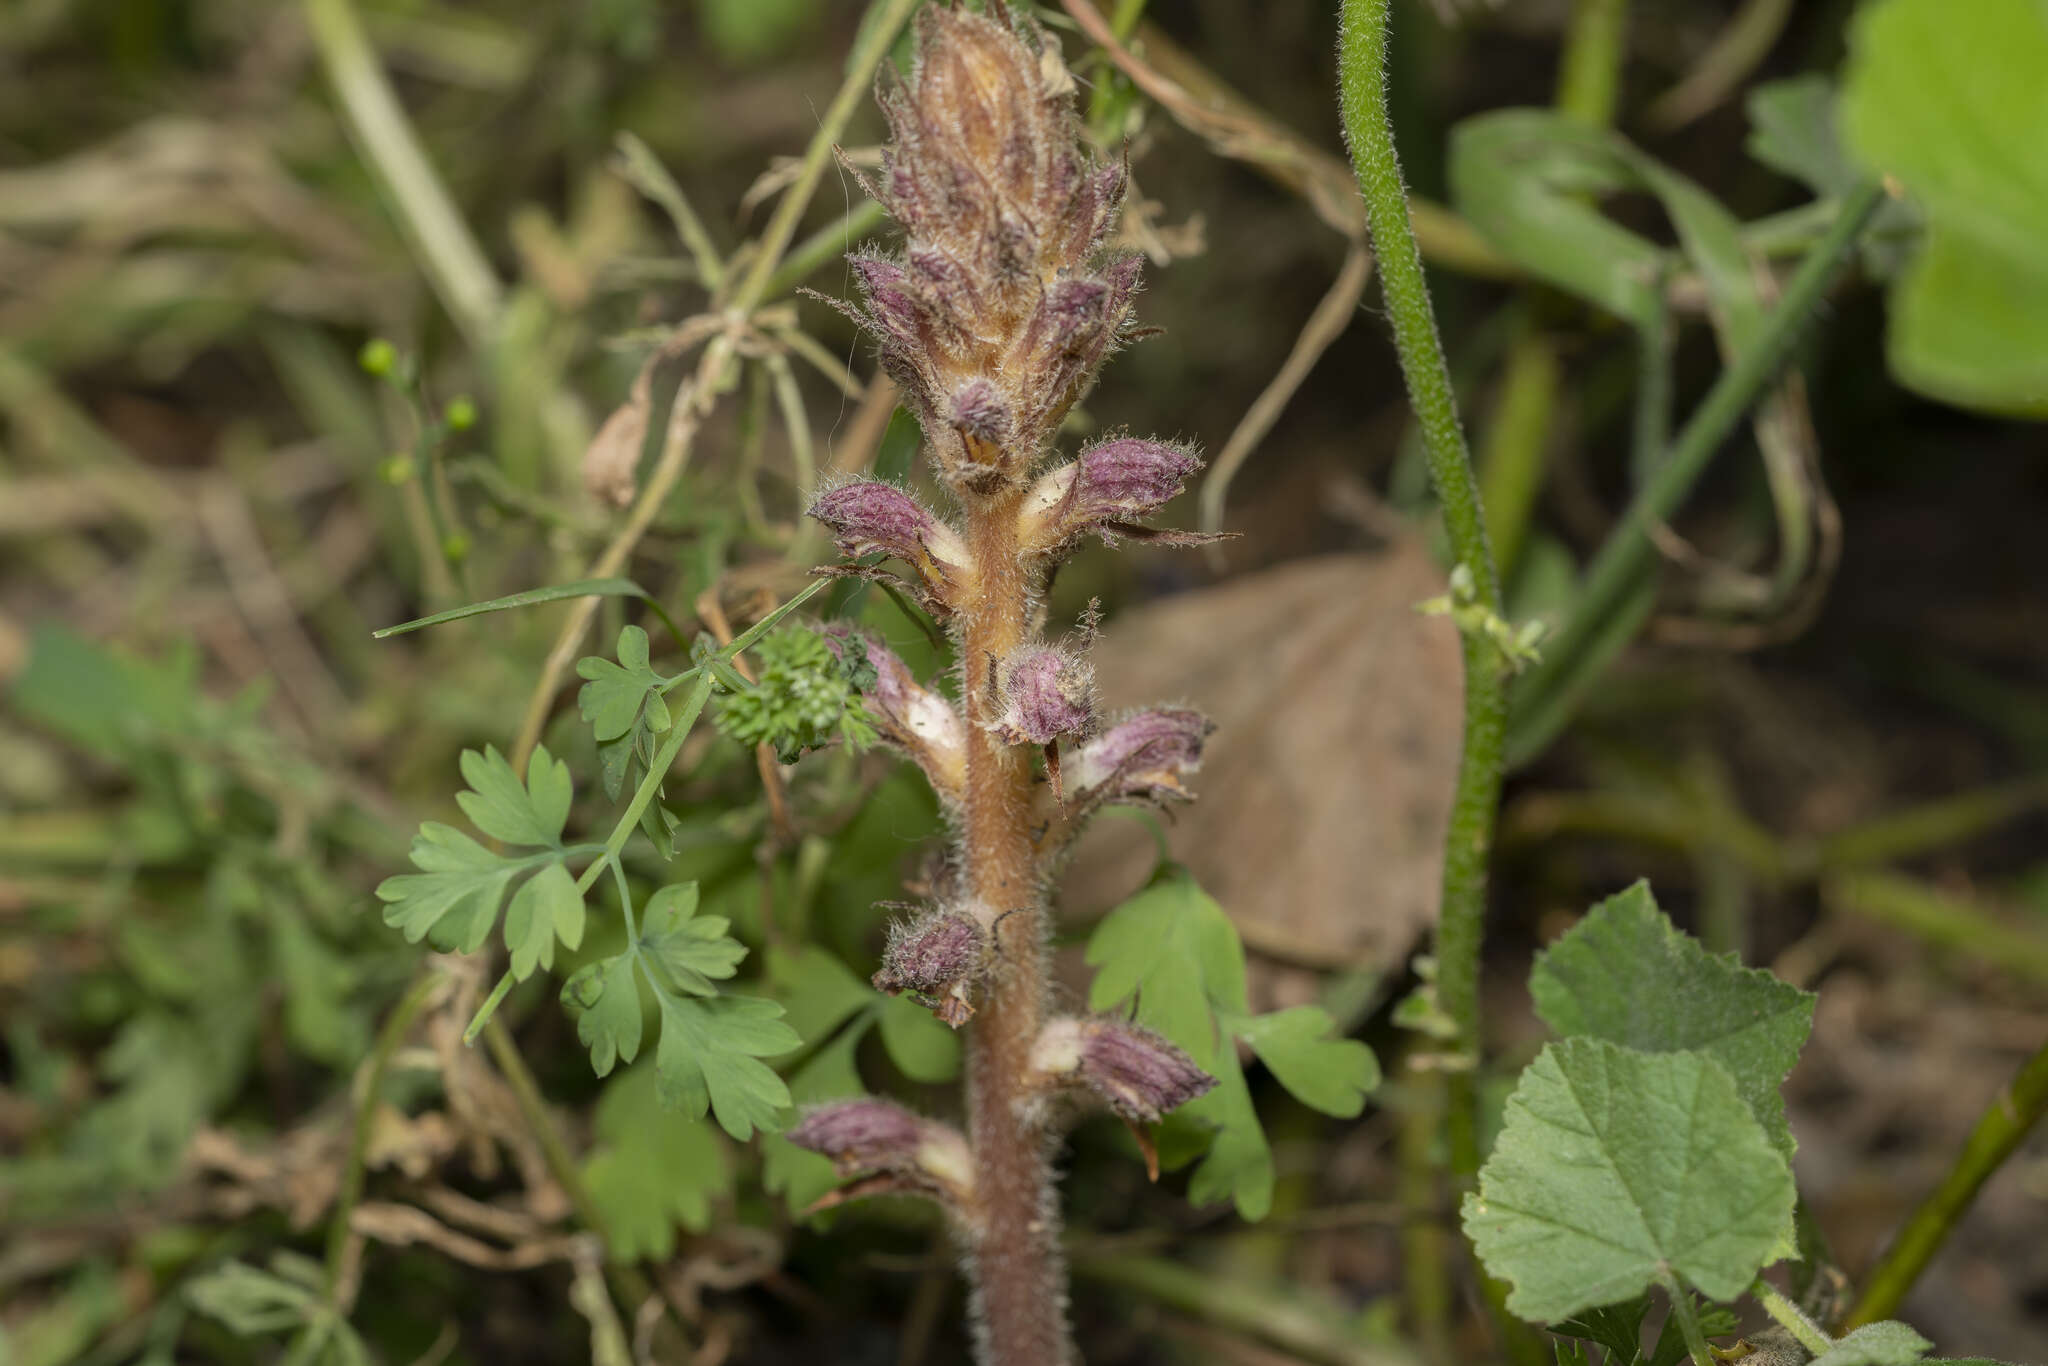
<point>1019,1279</point>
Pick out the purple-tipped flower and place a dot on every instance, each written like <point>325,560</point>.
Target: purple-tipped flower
<point>1003,281</point>
<point>913,1155</point>
<point>1106,491</point>
<point>935,960</point>
<point>867,515</point>
<point>1139,1074</point>
<point>1046,693</point>
<point>1142,756</point>
<point>862,1135</point>
<point>909,716</point>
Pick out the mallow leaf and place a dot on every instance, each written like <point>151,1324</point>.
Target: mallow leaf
<point>1625,974</point>
<point>1614,1165</point>
<point>1890,1343</point>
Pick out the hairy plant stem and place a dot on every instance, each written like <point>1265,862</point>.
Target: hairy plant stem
<point>1790,1317</point>
<point>1018,1276</point>
<point>1362,55</point>
<point>2013,1112</point>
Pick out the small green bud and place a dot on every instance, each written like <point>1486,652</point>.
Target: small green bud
<point>378,357</point>
<point>397,470</point>
<point>461,413</point>
<point>455,548</point>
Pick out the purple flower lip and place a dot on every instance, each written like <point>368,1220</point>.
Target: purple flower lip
<point>909,1155</point>
<point>935,961</point>
<point>1140,1075</point>
<point>1143,755</point>
<point>866,516</point>
<point>1047,693</point>
<point>866,1134</point>
<point>1106,490</point>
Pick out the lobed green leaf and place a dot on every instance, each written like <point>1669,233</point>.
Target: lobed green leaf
<point>1616,1165</point>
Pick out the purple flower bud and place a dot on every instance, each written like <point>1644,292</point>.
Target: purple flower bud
<point>980,412</point>
<point>1071,309</point>
<point>865,1134</point>
<point>1105,490</point>
<point>1130,477</point>
<point>1140,1075</point>
<point>1047,693</point>
<point>935,960</point>
<point>909,716</point>
<point>1142,756</point>
<point>867,515</point>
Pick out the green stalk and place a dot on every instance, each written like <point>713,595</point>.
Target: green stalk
<point>1688,1322</point>
<point>860,73</point>
<point>351,1193</point>
<point>1511,465</point>
<point>1589,85</point>
<point>1574,657</point>
<point>1362,56</point>
<point>1790,1317</point>
<point>2012,1113</point>
<point>454,263</point>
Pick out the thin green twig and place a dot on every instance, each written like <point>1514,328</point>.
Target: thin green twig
<point>825,245</point>
<point>1589,81</point>
<point>789,210</point>
<point>2006,1122</point>
<point>1545,697</point>
<point>370,1084</point>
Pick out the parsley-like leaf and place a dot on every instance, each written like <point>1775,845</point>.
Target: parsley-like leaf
<point>624,705</point>
<point>691,950</point>
<point>609,1024</point>
<point>653,1169</point>
<point>548,907</point>
<point>710,1055</point>
<point>1614,1166</point>
<point>500,806</point>
<point>1330,1075</point>
<point>453,900</point>
<point>1174,952</point>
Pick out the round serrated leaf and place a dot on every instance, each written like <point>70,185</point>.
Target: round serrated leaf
<point>1614,1166</point>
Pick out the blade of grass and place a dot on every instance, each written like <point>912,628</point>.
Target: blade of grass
<point>454,264</point>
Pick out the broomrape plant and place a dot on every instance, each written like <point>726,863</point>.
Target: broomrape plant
<point>993,319</point>
<point>1647,1149</point>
